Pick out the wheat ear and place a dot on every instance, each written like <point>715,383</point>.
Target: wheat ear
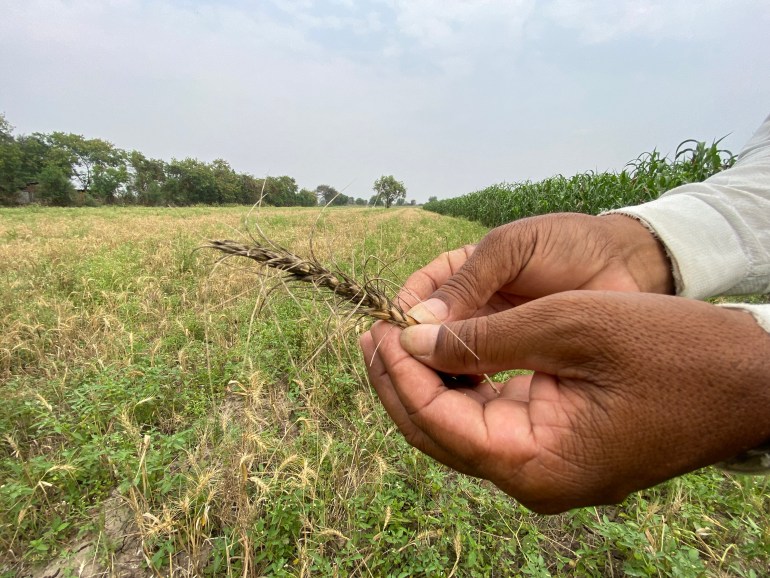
<point>365,298</point>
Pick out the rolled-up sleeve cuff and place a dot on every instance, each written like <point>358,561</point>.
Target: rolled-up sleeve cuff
<point>761,313</point>
<point>705,252</point>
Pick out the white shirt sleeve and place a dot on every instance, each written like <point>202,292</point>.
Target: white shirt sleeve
<point>717,232</point>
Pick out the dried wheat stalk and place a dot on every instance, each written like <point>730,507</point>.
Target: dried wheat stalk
<point>366,299</point>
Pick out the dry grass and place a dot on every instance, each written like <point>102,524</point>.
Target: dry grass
<point>128,295</point>
<point>226,422</point>
<point>365,298</point>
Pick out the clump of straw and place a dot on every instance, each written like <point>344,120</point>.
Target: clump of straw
<point>365,298</point>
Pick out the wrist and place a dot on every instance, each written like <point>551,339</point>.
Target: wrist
<point>643,254</point>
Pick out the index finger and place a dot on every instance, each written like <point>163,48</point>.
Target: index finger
<point>424,282</point>
<point>447,417</point>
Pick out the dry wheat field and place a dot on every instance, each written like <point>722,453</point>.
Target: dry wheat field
<point>165,414</point>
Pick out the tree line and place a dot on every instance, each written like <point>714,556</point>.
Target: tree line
<point>65,169</point>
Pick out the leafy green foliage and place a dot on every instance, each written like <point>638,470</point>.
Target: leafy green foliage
<point>55,186</point>
<point>108,182</point>
<point>147,179</point>
<point>105,174</point>
<point>22,159</point>
<point>643,179</point>
<point>388,190</point>
<point>306,198</point>
<point>190,181</point>
<point>329,196</point>
<point>87,158</point>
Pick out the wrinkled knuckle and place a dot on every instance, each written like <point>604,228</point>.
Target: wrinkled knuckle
<point>519,239</point>
<point>417,279</point>
<point>494,236</point>
<point>412,436</point>
<point>460,288</point>
<point>457,257</point>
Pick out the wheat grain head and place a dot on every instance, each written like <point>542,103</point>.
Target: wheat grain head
<point>365,298</point>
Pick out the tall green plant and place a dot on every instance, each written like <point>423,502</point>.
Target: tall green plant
<point>643,179</point>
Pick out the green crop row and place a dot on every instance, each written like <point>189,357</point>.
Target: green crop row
<point>643,179</point>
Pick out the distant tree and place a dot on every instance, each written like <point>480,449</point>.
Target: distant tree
<point>189,182</point>
<point>327,195</point>
<point>306,198</point>
<point>22,158</point>
<point>10,163</point>
<point>86,156</point>
<point>389,190</point>
<point>55,186</point>
<point>413,202</point>
<point>281,191</point>
<point>226,182</point>
<point>107,174</point>
<point>108,183</point>
<point>374,200</point>
<point>432,199</point>
<point>146,178</point>
<point>401,202</point>
<point>360,201</point>
<point>6,129</point>
<point>251,189</point>
<point>36,153</point>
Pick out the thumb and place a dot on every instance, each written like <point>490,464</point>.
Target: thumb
<point>539,335</point>
<point>495,261</point>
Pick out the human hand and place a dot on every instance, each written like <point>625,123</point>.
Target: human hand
<point>628,390</point>
<point>534,257</point>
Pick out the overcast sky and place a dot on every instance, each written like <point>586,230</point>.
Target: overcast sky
<point>448,96</point>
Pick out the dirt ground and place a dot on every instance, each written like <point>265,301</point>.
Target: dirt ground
<point>87,559</point>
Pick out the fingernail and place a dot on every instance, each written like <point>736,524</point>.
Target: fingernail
<point>420,340</point>
<point>430,311</point>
